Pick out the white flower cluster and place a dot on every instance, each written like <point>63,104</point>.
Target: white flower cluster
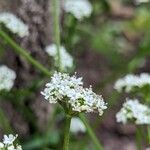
<point>66,60</point>
<point>77,126</point>
<point>138,2</point>
<point>130,81</point>
<point>7,77</point>
<point>134,111</point>
<point>8,143</point>
<point>78,8</point>
<point>14,24</point>
<point>65,89</point>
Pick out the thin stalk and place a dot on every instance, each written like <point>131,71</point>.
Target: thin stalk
<point>66,133</point>
<point>138,139</point>
<point>21,51</point>
<point>4,123</point>
<point>56,6</point>
<point>71,31</point>
<point>148,129</point>
<point>91,133</point>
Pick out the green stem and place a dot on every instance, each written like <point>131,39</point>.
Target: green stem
<point>91,133</point>
<point>66,134</point>
<point>21,51</point>
<point>56,5</point>
<point>70,32</point>
<point>4,123</point>
<point>148,129</point>
<point>138,139</point>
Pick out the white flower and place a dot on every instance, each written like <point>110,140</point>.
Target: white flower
<point>7,77</point>
<point>8,143</point>
<point>65,89</point>
<point>77,125</point>
<point>138,2</point>
<point>11,147</point>
<point>134,111</point>
<point>78,8</point>
<point>66,60</point>
<point>14,24</point>
<point>18,147</point>
<point>1,145</point>
<point>8,140</point>
<point>130,81</point>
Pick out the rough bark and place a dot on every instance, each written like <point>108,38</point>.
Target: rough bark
<point>36,14</point>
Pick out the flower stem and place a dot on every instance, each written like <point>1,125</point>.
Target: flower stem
<point>148,129</point>
<point>21,51</point>
<point>66,134</point>
<point>138,139</point>
<point>70,33</point>
<point>5,124</point>
<point>56,8</point>
<point>91,133</point>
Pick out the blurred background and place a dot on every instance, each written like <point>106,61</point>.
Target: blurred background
<point>112,42</point>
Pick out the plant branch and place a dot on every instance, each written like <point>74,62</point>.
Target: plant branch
<point>138,139</point>
<point>91,132</point>
<point>148,129</point>
<point>56,5</point>
<point>66,133</point>
<point>22,52</point>
<point>4,123</point>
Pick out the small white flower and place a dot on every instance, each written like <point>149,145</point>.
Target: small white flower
<point>138,2</point>
<point>134,111</point>
<point>130,81</point>
<point>77,126</point>
<point>18,147</point>
<point>9,143</point>
<point>78,8</point>
<point>8,140</point>
<point>14,24</point>
<point>7,77</point>
<point>66,60</point>
<point>11,147</point>
<point>1,145</point>
<point>66,89</point>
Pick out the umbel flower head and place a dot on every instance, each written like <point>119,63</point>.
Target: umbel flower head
<point>134,111</point>
<point>69,91</point>
<point>77,125</point>
<point>7,77</point>
<point>132,81</point>
<point>8,143</point>
<point>78,8</point>
<point>14,24</point>
<point>66,60</point>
